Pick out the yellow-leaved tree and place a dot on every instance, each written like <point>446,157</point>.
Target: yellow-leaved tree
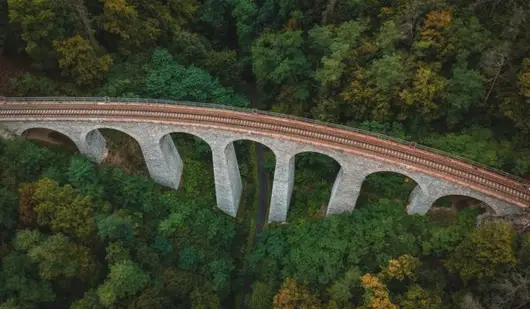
<point>293,295</point>
<point>80,60</point>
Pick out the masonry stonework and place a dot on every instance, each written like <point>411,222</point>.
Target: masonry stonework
<point>165,165</point>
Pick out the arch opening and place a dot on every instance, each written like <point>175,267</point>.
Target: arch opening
<point>314,176</point>
<point>445,209</point>
<point>197,179</point>
<point>50,138</point>
<point>256,163</point>
<point>123,151</point>
<point>392,186</point>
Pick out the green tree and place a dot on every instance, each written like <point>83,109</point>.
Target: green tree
<point>189,259</point>
<point>116,253</point>
<point>173,14</point>
<point>24,161</point>
<point>486,251</point>
<point>133,193</point>
<point>179,283</point>
<point>417,297</point>
<point>18,280</point>
<point>477,144</point>
<point>56,255</point>
<point>80,60</point>
<point>63,210</point>
<point>342,40</point>
<point>125,278</point>
<point>389,34</point>
<point>279,58</point>
<point>387,73</point>
<point>342,290</point>
<point>424,98</point>
<point>134,30</point>
<point>465,90</point>
<point>89,301</point>
<point>262,295</point>
<point>150,298</point>
<point>244,13</point>
<point>204,298</point>
<point>27,84</point>
<point>82,175</point>
<point>12,304</point>
<point>41,23</point>
<point>115,228</point>
<point>167,78</point>
<point>515,105</point>
<point>8,208</point>
<point>220,270</point>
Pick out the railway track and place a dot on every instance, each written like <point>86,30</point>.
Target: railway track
<point>489,181</point>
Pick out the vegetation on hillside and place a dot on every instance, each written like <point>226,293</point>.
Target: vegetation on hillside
<point>76,235</point>
<point>454,75</point>
<point>451,74</point>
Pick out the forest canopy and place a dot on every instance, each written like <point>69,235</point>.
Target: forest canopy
<point>441,71</point>
<point>454,75</point>
<point>76,235</point>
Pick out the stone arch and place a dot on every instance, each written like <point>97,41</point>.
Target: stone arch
<point>336,156</point>
<point>457,201</point>
<point>318,172</point>
<point>46,126</point>
<point>410,182</point>
<point>93,148</point>
<point>493,205</point>
<point>447,206</point>
<point>256,142</point>
<point>50,137</point>
<point>100,140</point>
<point>254,139</point>
<point>177,135</point>
<point>107,127</point>
<point>180,147</point>
<point>264,172</point>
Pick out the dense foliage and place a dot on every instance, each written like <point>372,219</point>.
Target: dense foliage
<point>80,236</point>
<point>75,235</point>
<point>450,74</point>
<point>454,75</point>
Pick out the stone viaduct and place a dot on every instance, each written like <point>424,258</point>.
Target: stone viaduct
<point>359,153</point>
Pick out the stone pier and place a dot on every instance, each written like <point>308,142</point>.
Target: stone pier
<point>228,186</point>
<point>282,188</point>
<point>163,161</point>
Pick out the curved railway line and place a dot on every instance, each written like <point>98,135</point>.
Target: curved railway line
<point>430,161</point>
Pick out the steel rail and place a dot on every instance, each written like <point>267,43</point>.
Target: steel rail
<point>487,180</point>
